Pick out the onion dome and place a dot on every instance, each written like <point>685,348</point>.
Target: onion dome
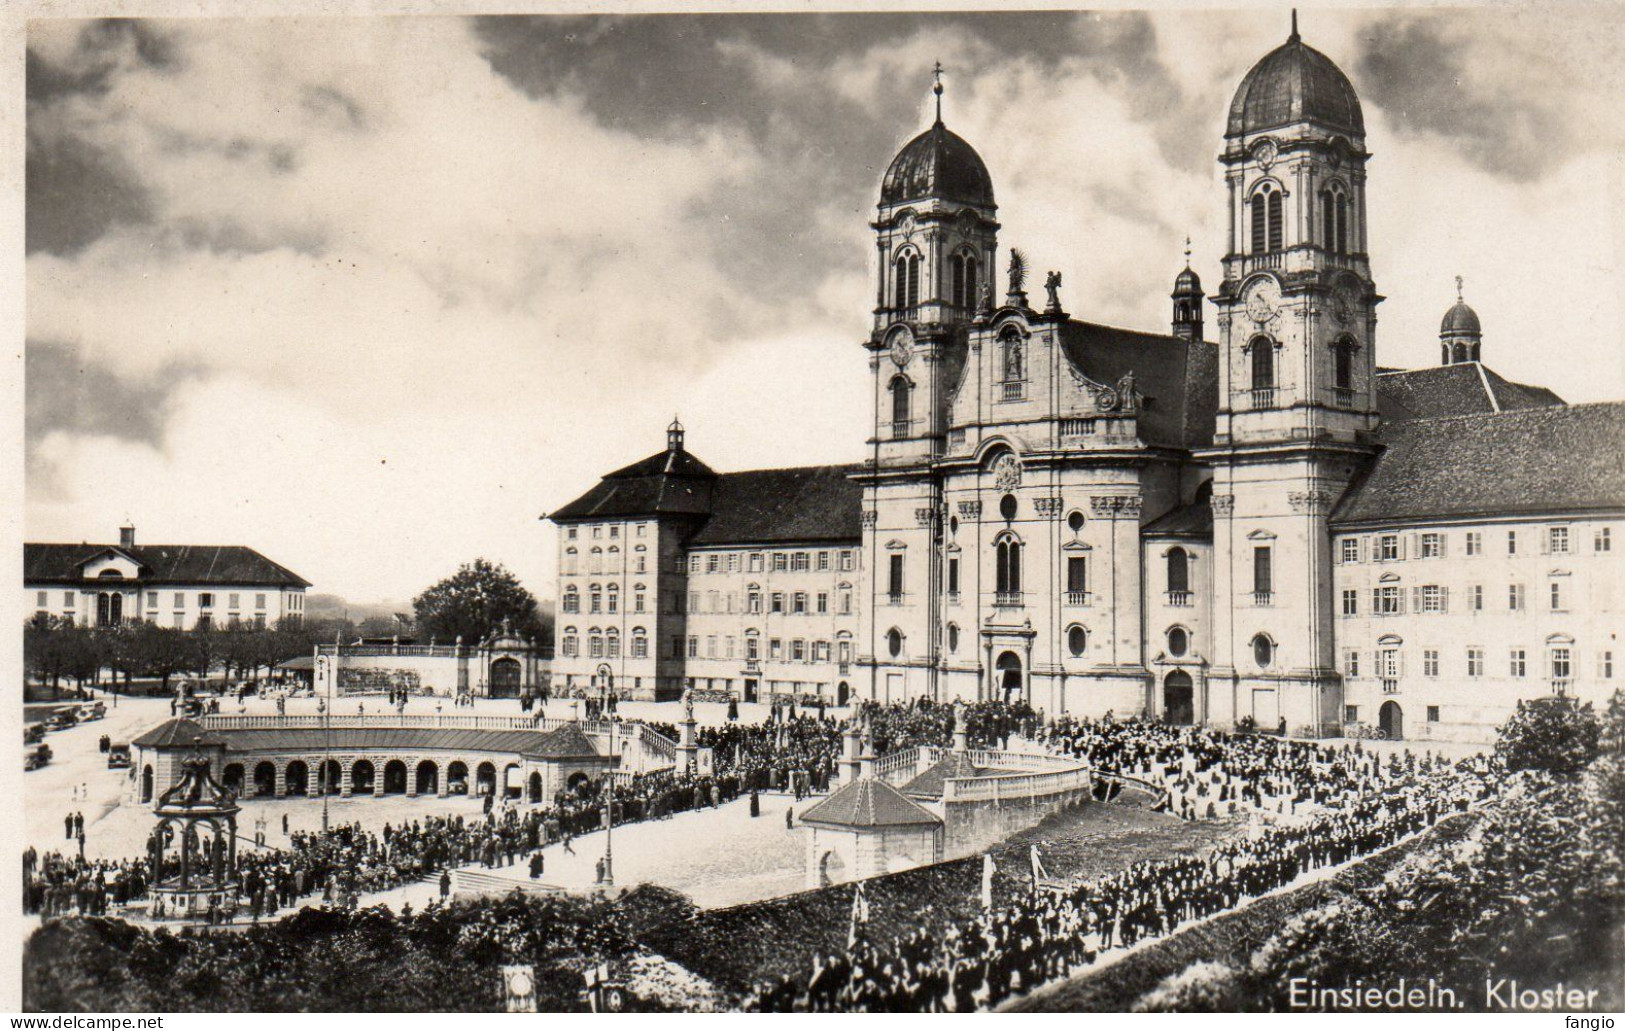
<point>1460,319</point>
<point>937,164</point>
<point>1295,83</point>
<point>1187,282</point>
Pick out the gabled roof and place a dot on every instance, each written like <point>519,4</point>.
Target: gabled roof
<point>1445,390</point>
<point>566,742</point>
<point>176,564</point>
<point>1179,378</point>
<point>810,503</point>
<point>868,802</point>
<point>953,766</point>
<point>1556,459</point>
<point>1193,520</point>
<point>671,482</point>
<point>174,733</point>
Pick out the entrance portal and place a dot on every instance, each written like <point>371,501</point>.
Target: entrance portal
<point>505,678</point>
<point>1392,721</point>
<point>1008,678</point>
<point>1178,698</point>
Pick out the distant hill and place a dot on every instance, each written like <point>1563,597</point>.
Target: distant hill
<point>333,606</point>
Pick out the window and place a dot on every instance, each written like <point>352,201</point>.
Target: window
<point>733,562</point>
<point>1267,219</point>
<point>753,647</point>
<point>799,562</point>
<point>180,599</point>
<point>1263,357</point>
<point>1351,714</point>
<point>713,563</point>
<point>798,650</point>
<point>570,533</point>
<point>1475,543</point>
<point>677,646</point>
<point>640,644</point>
<point>1351,602</point>
<point>205,600</point>
<point>569,561</point>
<point>711,646</point>
<point>640,564</point>
<point>953,637</point>
<point>820,651</point>
<point>259,600</point>
<point>776,603</point>
<point>641,528</point>
<point>894,578</point>
<point>798,603</point>
<point>1351,549</point>
<point>1263,575</point>
<point>1433,714</point>
<point>597,532</point>
<point>1179,571</point>
<point>1263,651</point>
<point>1007,567</point>
<point>614,639</point>
<point>1430,662</point>
<point>823,561</point>
<point>823,603</point>
<point>847,561</point>
<point>906,279</point>
<point>596,604</point>
<point>1077,640</point>
<point>1475,597</point>
<point>1605,665</point>
<point>1557,539</point>
<point>232,601</point>
<point>1512,542</point>
<point>1007,507</point>
<point>1432,545</point>
<point>755,563</point>
<point>1518,662</point>
<point>41,600</point>
<point>1388,547</point>
<point>693,647</point>
<point>572,600</point>
<point>1562,663</point>
<point>1334,220</point>
<point>1557,596</point>
<point>571,646</point>
<point>1179,641</point>
<point>1515,597</point>
<point>894,642</point>
<point>1475,662</point>
<point>595,646</point>
<point>1351,662</point>
<point>1432,598</point>
<point>1077,579</point>
<point>846,603</point>
<point>781,562</point>
<point>753,603</point>
<point>693,564</point>
<point>1385,601</point>
<point>1601,541</point>
<point>1343,367</point>
<point>901,405</point>
<point>962,280</point>
<point>729,645</point>
<point>953,577</point>
<point>1389,665</point>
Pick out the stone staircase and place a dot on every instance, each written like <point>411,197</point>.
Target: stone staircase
<point>470,881</point>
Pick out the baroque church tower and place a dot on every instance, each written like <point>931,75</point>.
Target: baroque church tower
<point>936,243</point>
<point>1297,403</point>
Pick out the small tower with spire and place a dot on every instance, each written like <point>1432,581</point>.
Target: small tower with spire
<point>674,435</point>
<point>1460,337</point>
<point>1187,297</point>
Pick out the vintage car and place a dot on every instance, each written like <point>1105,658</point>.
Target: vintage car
<point>91,711</point>
<point>33,734</point>
<point>62,719</point>
<point>40,756</point>
<point>118,757</point>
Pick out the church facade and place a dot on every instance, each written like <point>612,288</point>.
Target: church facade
<point>1266,527</point>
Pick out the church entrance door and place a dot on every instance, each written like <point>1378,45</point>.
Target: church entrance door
<point>1009,679</point>
<point>1392,720</point>
<point>1178,698</point>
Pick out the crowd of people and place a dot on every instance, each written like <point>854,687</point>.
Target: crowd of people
<point>1340,803</point>
<point>55,884</point>
<point>793,753</point>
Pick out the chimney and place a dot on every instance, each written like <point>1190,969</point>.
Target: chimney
<point>126,536</point>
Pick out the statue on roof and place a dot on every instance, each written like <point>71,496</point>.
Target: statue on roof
<point>1017,271</point>
<point>1052,284</point>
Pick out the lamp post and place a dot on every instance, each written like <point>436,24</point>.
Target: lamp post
<point>327,725</point>
<point>609,806</point>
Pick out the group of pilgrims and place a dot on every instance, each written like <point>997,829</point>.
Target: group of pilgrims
<point>1310,806</point>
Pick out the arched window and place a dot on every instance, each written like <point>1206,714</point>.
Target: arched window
<point>956,280</point>
<point>900,281</point>
<point>595,561</point>
<point>1263,356</point>
<point>970,281</point>
<point>1343,364</point>
<point>1342,224</point>
<point>614,597</point>
<point>1263,651</point>
<point>894,642</point>
<point>901,405</point>
<point>1077,640</point>
<point>572,599</point>
<point>613,639</point>
<point>1179,570</point>
<point>570,558</point>
<point>953,637</point>
<point>1007,569</point>
<point>1179,641</point>
<point>1268,222</point>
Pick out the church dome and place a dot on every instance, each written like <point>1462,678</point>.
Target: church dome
<point>1295,83</point>
<point>1187,282</point>
<point>937,163</point>
<point>1460,319</point>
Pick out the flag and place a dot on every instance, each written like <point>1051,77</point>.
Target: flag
<point>860,915</point>
<point>987,880</point>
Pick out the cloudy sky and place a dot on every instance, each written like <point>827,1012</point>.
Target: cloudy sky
<point>370,295</point>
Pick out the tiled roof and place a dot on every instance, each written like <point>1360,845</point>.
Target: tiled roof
<point>1193,520</point>
<point>162,564</point>
<point>1556,459</point>
<point>672,482</point>
<point>1294,83</point>
<point>869,803</point>
<point>175,733</point>
<point>953,766</point>
<point>937,163</point>
<point>1444,390</point>
<point>564,742</point>
<point>809,503</point>
<point>1179,378</point>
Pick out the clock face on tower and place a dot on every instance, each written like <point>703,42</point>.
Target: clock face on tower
<point>1343,305</point>
<point>1263,301</point>
<point>901,351</point>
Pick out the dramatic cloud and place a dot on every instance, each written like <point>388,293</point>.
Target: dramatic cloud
<point>371,294</point>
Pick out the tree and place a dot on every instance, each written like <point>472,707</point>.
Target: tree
<point>46,649</point>
<point>164,652</point>
<point>475,601</point>
<point>1557,734</point>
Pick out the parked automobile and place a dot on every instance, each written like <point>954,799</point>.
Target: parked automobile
<point>118,757</point>
<point>33,734</point>
<point>91,711</point>
<point>62,719</point>
<point>40,756</point>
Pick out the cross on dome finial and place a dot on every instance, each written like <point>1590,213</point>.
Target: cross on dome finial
<point>1187,252</point>
<point>1458,289</point>
<point>937,89</point>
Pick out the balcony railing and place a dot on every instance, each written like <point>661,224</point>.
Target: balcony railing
<point>1343,397</point>
<point>1263,597</point>
<point>1560,687</point>
<point>953,597</point>
<point>1263,397</point>
<point>1012,391</point>
<point>1007,599</point>
<point>1179,599</point>
<point>1077,597</point>
<point>843,669</point>
<point>1390,686</point>
<point>1273,259</point>
<point>900,428</point>
<point>895,599</point>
